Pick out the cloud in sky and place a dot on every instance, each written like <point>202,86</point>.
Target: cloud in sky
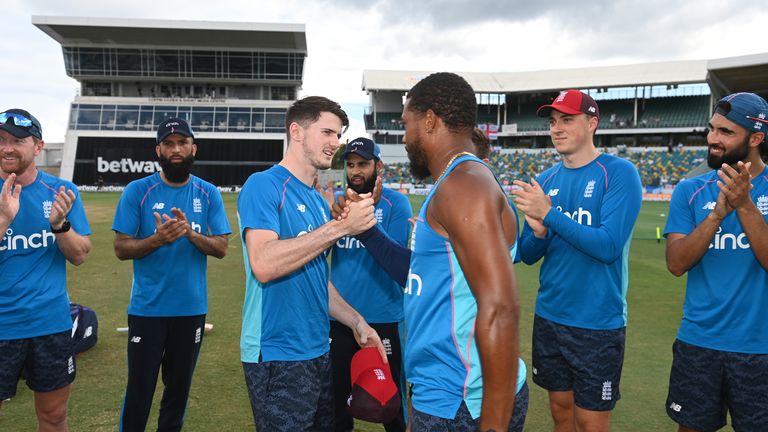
<point>345,37</point>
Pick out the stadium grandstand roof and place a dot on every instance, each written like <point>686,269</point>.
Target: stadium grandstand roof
<point>735,74</point>
<point>174,34</point>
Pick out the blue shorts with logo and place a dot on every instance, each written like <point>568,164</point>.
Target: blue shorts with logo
<point>584,361</point>
<point>291,396</point>
<point>464,421</point>
<point>47,361</point>
<point>705,384</point>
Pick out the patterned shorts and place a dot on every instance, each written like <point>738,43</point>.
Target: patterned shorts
<point>704,384</point>
<point>47,361</point>
<point>587,362</point>
<point>291,395</point>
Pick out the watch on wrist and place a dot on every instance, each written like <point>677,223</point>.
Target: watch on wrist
<point>64,228</point>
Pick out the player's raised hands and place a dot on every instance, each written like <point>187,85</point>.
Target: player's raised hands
<point>9,200</point>
<point>531,199</point>
<point>61,206</point>
<point>170,229</point>
<point>736,184</point>
<point>361,214</point>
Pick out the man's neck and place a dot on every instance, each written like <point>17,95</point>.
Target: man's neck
<point>581,157</point>
<point>305,172</point>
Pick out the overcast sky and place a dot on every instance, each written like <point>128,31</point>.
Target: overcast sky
<point>346,36</point>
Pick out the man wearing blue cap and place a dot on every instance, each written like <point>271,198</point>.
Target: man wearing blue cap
<point>43,225</point>
<point>363,283</point>
<point>717,233</point>
<point>167,223</point>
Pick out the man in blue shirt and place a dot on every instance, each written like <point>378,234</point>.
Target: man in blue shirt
<point>579,217</point>
<point>167,223</point>
<point>286,231</point>
<point>44,225</point>
<point>363,283</point>
<point>717,233</point>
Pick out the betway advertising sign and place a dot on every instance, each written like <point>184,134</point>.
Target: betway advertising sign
<point>126,166</point>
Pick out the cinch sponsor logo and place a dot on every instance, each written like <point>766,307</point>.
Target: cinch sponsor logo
<point>413,279</point>
<point>34,241</point>
<point>348,242</point>
<point>581,216</point>
<point>127,165</point>
<point>723,241</point>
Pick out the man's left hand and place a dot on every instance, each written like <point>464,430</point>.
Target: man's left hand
<point>61,206</point>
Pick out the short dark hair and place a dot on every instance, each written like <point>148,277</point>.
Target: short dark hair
<point>307,110</point>
<point>482,144</point>
<point>449,96</point>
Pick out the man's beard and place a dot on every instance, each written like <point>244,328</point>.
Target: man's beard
<point>419,167</point>
<point>367,186</point>
<point>177,172</point>
<point>729,157</point>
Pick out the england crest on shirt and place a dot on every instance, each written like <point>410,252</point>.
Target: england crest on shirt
<point>762,204</point>
<point>589,189</point>
<point>197,205</point>
<point>47,208</point>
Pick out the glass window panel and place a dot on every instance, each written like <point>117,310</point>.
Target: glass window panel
<point>127,117</point>
<point>203,64</point>
<point>92,61</point>
<point>202,120</point>
<point>128,62</point>
<point>147,117</point>
<point>274,121</point>
<point>220,119</point>
<point>239,119</point>
<point>167,63</point>
<point>108,119</point>
<point>163,112</point>
<point>73,116</point>
<point>257,120</point>
<point>240,65</point>
<point>276,66</point>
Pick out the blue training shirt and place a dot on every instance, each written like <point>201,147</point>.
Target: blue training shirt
<point>357,276</point>
<point>441,357</point>
<point>583,279</point>
<point>171,280</point>
<point>33,278</point>
<point>285,319</point>
<point>726,295</point>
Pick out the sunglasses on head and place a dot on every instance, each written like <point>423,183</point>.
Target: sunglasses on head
<point>22,121</point>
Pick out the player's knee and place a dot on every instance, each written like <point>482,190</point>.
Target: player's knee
<point>52,416</point>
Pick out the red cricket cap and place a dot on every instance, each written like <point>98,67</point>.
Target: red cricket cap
<point>571,102</point>
<point>374,396</point>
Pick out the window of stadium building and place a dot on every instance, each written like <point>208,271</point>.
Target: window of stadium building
<point>182,63</point>
<point>202,119</point>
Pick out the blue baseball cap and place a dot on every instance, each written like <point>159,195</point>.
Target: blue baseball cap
<point>171,126</point>
<point>747,110</point>
<point>363,147</point>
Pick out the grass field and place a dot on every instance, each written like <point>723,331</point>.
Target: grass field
<point>219,400</point>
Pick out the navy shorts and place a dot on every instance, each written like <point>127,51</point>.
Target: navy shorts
<point>291,395</point>
<point>584,361</point>
<point>48,362</point>
<point>464,421</point>
<point>705,383</point>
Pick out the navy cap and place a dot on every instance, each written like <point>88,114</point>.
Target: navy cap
<point>171,126</point>
<point>363,147</point>
<point>20,123</point>
<point>747,110</point>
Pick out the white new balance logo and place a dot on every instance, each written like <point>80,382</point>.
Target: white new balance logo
<point>136,339</point>
<point>158,206</point>
<point>675,407</point>
<point>553,192</point>
<point>709,206</point>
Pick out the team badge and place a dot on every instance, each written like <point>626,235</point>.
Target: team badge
<point>47,208</point>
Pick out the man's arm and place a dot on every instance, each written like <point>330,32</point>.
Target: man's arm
<point>685,250</point>
<point>342,312</point>
<point>388,254</point>
<point>214,245</point>
<point>532,248</point>
<point>479,242</point>
<point>618,213</point>
<point>271,257</point>
<point>73,246</point>
<point>736,185</point>
<point>167,230</point>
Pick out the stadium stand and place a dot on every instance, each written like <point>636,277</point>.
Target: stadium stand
<point>655,167</point>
